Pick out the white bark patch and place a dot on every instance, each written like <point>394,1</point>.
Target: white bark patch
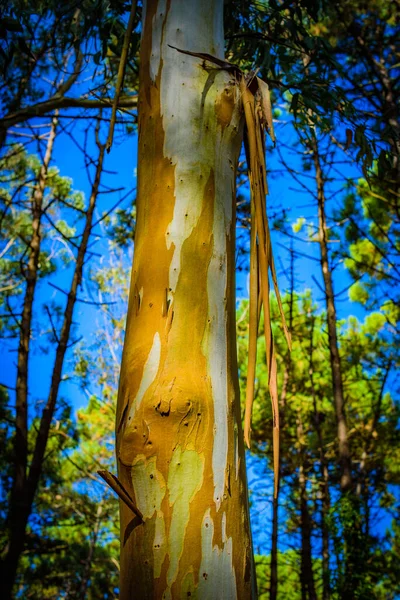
<point>185,478</point>
<point>156,35</point>
<point>150,371</point>
<point>217,368</point>
<point>217,281</point>
<point>217,575</point>
<point>188,119</point>
<point>149,485</point>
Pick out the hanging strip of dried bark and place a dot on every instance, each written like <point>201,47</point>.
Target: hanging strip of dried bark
<point>258,115</point>
<point>254,317</point>
<point>266,107</point>
<point>254,109</point>
<point>119,489</point>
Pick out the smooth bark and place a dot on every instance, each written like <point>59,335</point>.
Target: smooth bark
<point>179,438</point>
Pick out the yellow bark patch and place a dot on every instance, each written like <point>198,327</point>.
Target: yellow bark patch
<point>225,105</point>
<point>189,587</point>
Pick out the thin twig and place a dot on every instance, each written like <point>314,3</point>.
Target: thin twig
<point>119,489</point>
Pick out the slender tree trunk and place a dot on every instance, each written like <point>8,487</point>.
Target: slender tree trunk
<point>337,382</point>
<point>306,569</point>
<point>31,276</point>
<point>92,547</point>
<point>21,509</point>
<point>273,585</point>
<point>326,505</point>
<point>179,438</point>
<point>307,575</point>
<point>324,486</point>
<point>17,497</point>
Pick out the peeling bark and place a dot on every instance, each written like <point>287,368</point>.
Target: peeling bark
<point>179,440</point>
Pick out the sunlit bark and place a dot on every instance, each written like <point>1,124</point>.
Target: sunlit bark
<point>179,439</point>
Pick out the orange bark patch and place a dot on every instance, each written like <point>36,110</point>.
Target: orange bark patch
<point>225,105</point>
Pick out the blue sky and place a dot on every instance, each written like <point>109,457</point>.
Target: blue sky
<point>122,161</point>
<point>121,166</point>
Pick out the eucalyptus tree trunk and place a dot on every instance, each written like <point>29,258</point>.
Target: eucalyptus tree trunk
<point>179,438</point>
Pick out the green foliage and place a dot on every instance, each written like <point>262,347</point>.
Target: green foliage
<point>62,210</point>
<point>72,545</point>
<point>77,513</point>
<point>37,34</point>
<point>289,585</point>
<point>308,429</point>
<point>372,257</point>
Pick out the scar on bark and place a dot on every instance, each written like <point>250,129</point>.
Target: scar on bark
<point>170,316</point>
<point>123,417</point>
<point>167,311</point>
<point>163,407</point>
<point>228,480</point>
<point>130,527</point>
<point>137,299</point>
<point>120,490</point>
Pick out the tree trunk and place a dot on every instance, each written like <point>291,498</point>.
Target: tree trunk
<point>337,381</point>
<point>324,485</point>
<point>17,497</point>
<point>179,436</point>
<point>306,568</point>
<point>273,584</point>
<point>307,575</point>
